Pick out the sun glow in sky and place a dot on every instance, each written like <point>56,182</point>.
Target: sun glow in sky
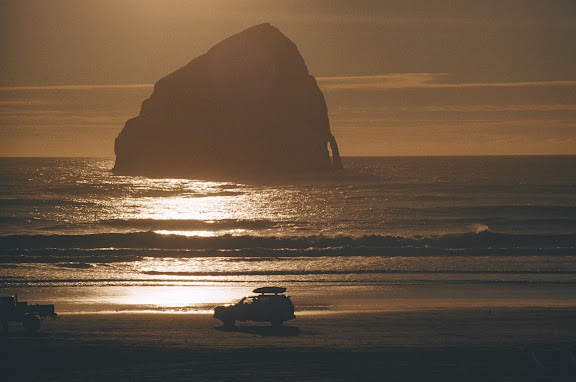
<point>400,78</point>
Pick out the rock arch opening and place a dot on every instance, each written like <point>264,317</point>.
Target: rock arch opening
<point>336,160</point>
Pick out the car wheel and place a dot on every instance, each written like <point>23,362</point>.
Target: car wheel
<point>228,322</point>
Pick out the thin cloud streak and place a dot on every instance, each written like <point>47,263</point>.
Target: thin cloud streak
<point>75,87</point>
<point>419,81</point>
<point>489,108</point>
<point>372,82</point>
<point>385,109</point>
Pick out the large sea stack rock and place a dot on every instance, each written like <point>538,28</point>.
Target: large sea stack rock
<point>247,106</point>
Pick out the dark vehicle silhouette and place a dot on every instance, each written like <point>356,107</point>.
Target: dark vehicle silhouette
<point>271,305</point>
<point>29,315</point>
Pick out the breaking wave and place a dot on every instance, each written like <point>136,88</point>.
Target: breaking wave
<point>129,246</point>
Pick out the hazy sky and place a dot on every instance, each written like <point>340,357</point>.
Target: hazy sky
<point>405,77</point>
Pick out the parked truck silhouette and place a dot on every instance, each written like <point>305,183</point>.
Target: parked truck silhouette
<point>12,310</point>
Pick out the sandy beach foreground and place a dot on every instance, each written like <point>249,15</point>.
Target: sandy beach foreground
<point>522,344</point>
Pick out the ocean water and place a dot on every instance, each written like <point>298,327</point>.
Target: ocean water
<point>387,233</point>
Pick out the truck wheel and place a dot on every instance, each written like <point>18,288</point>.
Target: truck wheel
<point>31,323</point>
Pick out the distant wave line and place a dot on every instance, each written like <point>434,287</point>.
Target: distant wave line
<point>107,256</point>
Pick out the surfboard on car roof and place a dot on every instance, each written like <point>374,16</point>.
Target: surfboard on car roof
<point>272,290</point>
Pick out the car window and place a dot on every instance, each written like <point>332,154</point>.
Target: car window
<point>247,301</point>
<point>264,300</point>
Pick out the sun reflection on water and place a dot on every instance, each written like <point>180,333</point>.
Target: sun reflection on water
<point>185,208</point>
<point>162,200</point>
<point>177,296</point>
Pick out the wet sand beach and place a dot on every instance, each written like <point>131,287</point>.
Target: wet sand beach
<point>523,344</point>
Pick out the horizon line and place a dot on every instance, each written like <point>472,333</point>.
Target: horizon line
<point>343,156</point>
